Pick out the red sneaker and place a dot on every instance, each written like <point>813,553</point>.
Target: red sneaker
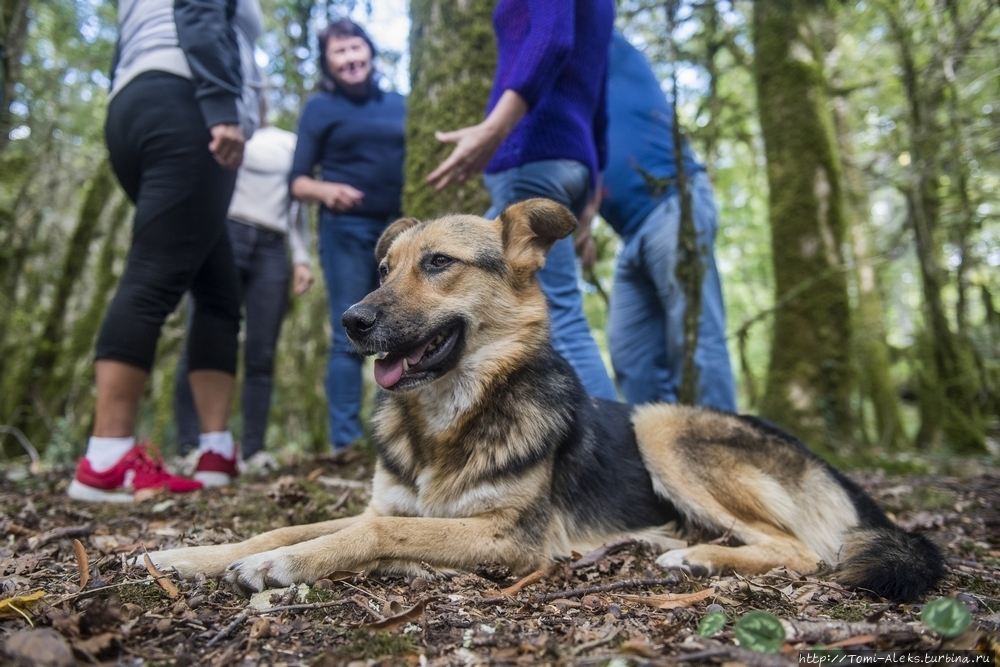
<point>140,470</point>
<point>215,469</point>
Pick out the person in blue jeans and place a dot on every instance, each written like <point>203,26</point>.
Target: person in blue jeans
<point>544,136</point>
<point>646,316</point>
<point>354,132</point>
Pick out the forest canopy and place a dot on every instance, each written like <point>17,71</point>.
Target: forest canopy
<point>853,148</point>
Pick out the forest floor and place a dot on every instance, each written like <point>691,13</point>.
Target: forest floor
<point>609,607</point>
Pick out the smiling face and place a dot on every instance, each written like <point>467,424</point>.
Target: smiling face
<point>349,62</point>
<point>457,293</point>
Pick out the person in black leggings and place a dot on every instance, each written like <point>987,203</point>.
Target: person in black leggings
<point>175,133</point>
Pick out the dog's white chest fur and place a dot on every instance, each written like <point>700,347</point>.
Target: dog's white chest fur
<point>434,497</point>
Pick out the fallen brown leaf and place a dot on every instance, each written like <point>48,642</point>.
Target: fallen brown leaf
<point>160,578</point>
<point>408,616</point>
<point>82,563</point>
<point>670,600</point>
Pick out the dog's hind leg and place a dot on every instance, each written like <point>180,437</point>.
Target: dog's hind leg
<point>762,555</point>
<point>723,475</point>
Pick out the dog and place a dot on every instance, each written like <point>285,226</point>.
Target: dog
<point>489,450</point>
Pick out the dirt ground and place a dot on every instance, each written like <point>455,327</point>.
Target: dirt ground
<point>612,607</point>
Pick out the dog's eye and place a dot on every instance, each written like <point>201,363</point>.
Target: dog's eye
<point>383,270</point>
<point>439,261</point>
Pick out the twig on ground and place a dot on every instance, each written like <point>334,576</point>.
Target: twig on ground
<point>224,632</point>
<point>302,607</point>
<point>600,552</point>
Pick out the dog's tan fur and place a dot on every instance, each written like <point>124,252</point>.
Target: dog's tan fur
<point>496,458</point>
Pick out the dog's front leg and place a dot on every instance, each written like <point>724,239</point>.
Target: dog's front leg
<point>215,559</point>
<point>442,543</point>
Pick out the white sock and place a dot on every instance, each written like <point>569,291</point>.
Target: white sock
<point>105,453</point>
<point>220,442</point>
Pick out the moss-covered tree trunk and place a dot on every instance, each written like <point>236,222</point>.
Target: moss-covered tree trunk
<point>809,373</point>
<point>452,60</point>
<point>871,350</point>
<point>32,408</point>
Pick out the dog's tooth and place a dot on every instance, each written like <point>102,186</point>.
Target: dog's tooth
<point>406,365</point>
<point>381,355</point>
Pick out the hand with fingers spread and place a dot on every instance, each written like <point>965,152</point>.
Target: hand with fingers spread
<point>227,145</point>
<point>475,145</point>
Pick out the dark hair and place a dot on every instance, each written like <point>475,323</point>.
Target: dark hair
<point>342,28</point>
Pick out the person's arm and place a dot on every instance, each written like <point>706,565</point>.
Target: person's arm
<point>312,130</point>
<point>208,40</point>
<point>536,69</point>
<point>298,239</point>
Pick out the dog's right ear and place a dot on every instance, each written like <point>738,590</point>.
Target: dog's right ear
<point>390,234</point>
<point>529,229</point>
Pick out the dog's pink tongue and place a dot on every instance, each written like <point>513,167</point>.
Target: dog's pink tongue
<point>389,370</point>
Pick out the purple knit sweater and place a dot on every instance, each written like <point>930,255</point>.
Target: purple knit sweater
<point>554,53</point>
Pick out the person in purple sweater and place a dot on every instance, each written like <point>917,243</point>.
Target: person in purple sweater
<point>544,136</point>
<point>353,131</point>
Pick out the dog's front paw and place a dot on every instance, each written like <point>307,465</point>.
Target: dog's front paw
<point>679,559</point>
<point>185,561</point>
<point>271,569</point>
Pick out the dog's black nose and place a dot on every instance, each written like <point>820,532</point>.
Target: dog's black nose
<point>359,319</point>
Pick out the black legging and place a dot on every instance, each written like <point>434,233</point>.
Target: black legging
<point>158,145</point>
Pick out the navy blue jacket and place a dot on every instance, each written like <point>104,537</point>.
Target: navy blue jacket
<point>359,142</point>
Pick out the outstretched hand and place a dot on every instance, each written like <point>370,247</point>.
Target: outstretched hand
<point>475,145</point>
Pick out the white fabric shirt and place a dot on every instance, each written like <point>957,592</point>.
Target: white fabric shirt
<point>261,197</point>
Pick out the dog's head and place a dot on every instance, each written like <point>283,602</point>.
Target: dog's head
<point>456,289</point>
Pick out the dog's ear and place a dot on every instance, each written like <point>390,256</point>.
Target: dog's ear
<point>529,229</point>
<point>390,234</point>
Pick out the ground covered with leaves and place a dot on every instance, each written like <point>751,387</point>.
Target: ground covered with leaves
<point>67,595</point>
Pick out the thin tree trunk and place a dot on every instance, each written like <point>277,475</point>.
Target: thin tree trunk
<point>948,382</point>
<point>452,60</point>
<point>809,374</point>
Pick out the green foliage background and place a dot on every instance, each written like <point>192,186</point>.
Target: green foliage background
<point>59,213</point>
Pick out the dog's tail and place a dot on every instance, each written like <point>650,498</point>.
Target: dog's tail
<point>890,562</point>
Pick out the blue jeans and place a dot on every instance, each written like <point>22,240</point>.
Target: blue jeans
<point>567,182</point>
<point>264,273</point>
<point>646,317</point>
<point>347,253</point>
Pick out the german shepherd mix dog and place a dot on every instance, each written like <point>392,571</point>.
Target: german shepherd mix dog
<point>489,450</point>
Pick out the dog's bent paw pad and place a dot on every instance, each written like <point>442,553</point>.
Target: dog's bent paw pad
<point>677,559</point>
<point>265,570</point>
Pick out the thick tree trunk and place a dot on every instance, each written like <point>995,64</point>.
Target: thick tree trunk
<point>31,408</point>
<point>452,60</point>
<point>809,374</point>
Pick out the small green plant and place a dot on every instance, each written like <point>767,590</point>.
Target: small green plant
<point>712,624</point>
<point>946,616</point>
<point>760,631</point>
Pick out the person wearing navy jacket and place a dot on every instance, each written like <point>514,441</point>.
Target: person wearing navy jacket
<point>178,117</point>
<point>354,133</point>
